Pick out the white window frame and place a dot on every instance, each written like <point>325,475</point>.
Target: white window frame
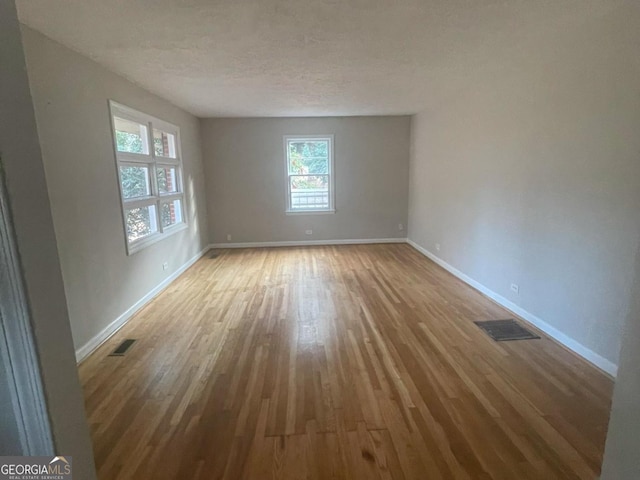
<point>301,138</point>
<point>151,161</point>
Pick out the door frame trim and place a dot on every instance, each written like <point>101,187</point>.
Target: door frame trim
<point>17,346</point>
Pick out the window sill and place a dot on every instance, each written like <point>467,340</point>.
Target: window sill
<point>310,212</point>
<point>155,238</point>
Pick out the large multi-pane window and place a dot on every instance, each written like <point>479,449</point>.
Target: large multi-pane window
<point>309,171</point>
<point>150,173</point>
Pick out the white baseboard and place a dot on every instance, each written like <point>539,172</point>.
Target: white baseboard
<point>302,243</point>
<point>84,351</point>
<point>589,355</point>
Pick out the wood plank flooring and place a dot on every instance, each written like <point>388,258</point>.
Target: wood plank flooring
<point>337,362</point>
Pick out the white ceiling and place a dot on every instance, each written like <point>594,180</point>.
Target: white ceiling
<point>305,57</point>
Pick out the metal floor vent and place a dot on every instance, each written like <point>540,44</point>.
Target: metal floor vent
<point>122,348</point>
<point>506,330</point>
<point>214,255</point>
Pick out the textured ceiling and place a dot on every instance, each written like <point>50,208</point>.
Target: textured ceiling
<point>306,57</point>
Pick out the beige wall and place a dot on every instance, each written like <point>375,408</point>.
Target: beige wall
<point>25,180</point>
<point>244,165</point>
<point>71,96</point>
<point>531,175</point>
<point>621,459</point>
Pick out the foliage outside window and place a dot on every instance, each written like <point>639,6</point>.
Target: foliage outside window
<point>309,165</point>
<point>150,173</point>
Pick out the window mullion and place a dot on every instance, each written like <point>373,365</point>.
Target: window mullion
<point>138,202</point>
<point>126,157</point>
<point>154,179</point>
<point>171,196</point>
<point>168,160</point>
<point>159,216</point>
<point>179,182</point>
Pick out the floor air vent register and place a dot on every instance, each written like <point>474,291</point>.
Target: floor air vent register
<point>122,348</point>
<point>506,330</point>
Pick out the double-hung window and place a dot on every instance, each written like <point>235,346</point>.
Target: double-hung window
<point>309,169</point>
<point>150,173</point>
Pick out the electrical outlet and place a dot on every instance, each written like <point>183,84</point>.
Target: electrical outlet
<point>308,232</point>
<point>400,227</point>
<point>165,266</point>
<point>515,288</point>
<point>229,237</point>
<point>437,247</point>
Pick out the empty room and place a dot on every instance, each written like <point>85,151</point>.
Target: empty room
<point>296,239</point>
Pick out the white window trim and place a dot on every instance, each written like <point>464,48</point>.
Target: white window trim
<point>151,160</point>
<point>332,190</point>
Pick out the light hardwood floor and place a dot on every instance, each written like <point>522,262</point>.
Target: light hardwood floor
<point>353,362</point>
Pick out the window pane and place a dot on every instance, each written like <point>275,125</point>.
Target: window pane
<point>134,181</point>
<point>309,192</point>
<point>131,136</point>
<point>308,157</point>
<point>171,213</point>
<point>164,143</point>
<point>141,222</point>
<point>167,179</point>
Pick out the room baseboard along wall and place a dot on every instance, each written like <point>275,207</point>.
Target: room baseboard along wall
<point>302,243</point>
<point>89,347</point>
<point>589,355</point>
